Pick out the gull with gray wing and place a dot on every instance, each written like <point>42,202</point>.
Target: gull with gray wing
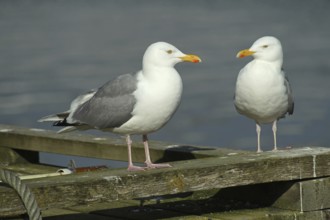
<point>130,104</point>
<point>263,92</point>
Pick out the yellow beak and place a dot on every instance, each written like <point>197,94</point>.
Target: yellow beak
<point>244,53</point>
<point>191,58</point>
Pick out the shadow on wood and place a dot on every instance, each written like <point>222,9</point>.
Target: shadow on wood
<point>180,152</point>
<point>204,181</point>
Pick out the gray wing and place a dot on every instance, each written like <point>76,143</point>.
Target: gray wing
<point>111,106</point>
<point>289,92</point>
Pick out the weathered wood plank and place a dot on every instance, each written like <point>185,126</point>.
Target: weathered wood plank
<point>309,195</point>
<point>80,144</point>
<point>271,214</point>
<point>129,210</point>
<point>11,160</point>
<point>30,168</point>
<point>65,214</point>
<point>207,208</point>
<point>123,211</point>
<point>185,176</point>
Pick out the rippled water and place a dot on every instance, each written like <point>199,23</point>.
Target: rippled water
<point>51,51</point>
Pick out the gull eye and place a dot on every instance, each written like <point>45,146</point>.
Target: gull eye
<point>264,46</point>
<point>169,51</point>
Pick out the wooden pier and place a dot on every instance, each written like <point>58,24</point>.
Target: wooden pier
<point>204,183</point>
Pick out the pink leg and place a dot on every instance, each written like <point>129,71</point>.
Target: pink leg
<point>148,160</point>
<point>274,132</point>
<point>258,129</point>
<point>131,167</point>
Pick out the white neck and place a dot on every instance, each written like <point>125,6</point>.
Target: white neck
<point>153,71</point>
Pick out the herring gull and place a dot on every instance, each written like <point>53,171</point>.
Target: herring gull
<point>132,104</point>
<point>263,91</point>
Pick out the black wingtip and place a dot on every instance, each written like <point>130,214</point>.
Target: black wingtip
<point>61,123</point>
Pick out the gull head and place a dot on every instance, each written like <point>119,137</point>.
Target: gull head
<point>266,48</point>
<point>163,54</point>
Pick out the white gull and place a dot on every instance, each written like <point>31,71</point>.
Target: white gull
<point>130,104</point>
<point>263,92</point>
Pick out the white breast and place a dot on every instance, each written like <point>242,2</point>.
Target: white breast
<point>261,93</point>
<point>158,97</point>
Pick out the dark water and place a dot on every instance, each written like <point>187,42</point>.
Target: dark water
<point>51,51</point>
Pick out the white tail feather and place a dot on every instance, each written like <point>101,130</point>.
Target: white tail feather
<point>50,118</point>
<point>67,129</point>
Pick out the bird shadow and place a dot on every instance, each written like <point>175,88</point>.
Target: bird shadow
<point>182,152</point>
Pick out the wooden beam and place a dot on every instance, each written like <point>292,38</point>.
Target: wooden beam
<point>80,144</point>
<point>270,214</point>
<point>204,209</point>
<point>185,176</point>
<point>309,195</point>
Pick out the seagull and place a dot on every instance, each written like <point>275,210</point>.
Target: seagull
<point>263,91</point>
<point>132,104</point>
